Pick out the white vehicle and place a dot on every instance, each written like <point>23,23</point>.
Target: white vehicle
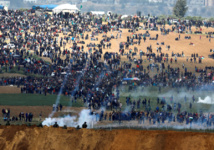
<point>187,21</point>
<point>9,45</point>
<point>175,21</point>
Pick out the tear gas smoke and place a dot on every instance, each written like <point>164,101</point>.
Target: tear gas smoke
<point>206,100</point>
<point>59,95</point>
<point>127,109</point>
<point>156,126</point>
<point>72,121</point>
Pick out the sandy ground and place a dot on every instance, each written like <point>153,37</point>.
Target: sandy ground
<point>9,90</point>
<point>48,138</point>
<point>11,75</point>
<point>44,110</point>
<point>176,46</point>
<point>200,46</point>
<point>46,59</point>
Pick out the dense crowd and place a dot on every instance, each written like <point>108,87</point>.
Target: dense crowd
<point>91,74</point>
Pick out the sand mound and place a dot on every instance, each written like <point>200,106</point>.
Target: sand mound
<point>23,137</point>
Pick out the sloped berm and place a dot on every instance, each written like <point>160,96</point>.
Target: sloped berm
<point>49,138</point>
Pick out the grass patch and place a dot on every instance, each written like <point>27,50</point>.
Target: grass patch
<point>13,70</point>
<point>35,100</point>
<point>21,71</point>
<point>39,58</point>
<point>196,107</point>
<point>153,93</point>
<point>150,93</point>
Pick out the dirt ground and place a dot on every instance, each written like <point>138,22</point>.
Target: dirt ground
<point>11,75</point>
<point>48,138</point>
<point>44,110</point>
<point>200,46</point>
<point>9,90</point>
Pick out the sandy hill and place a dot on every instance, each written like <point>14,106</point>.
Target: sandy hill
<point>48,138</point>
<point>200,46</point>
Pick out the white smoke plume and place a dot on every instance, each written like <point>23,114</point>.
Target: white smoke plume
<point>72,121</point>
<point>206,100</point>
<point>59,95</point>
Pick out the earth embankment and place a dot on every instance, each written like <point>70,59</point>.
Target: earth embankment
<point>48,138</point>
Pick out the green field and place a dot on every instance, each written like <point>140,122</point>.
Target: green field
<point>35,100</point>
<point>196,107</point>
<point>152,94</point>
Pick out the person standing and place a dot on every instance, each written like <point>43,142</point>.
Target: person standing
<point>60,107</point>
<point>26,117</point>
<point>40,116</point>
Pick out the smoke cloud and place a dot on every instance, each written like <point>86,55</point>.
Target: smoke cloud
<point>72,121</point>
<point>206,100</point>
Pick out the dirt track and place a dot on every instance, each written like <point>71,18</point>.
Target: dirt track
<point>33,138</point>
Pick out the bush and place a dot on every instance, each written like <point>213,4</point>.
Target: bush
<point>64,127</point>
<point>180,8</point>
<point>8,123</point>
<point>40,125</point>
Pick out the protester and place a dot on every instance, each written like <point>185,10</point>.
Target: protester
<point>92,73</point>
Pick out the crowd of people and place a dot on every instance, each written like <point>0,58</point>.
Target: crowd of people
<point>27,117</point>
<point>89,73</point>
<point>158,118</point>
